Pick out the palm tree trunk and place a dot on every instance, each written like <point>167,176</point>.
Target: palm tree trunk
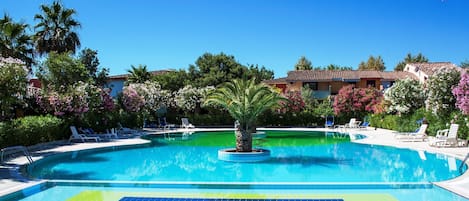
<point>243,140</point>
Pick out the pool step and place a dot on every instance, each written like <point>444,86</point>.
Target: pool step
<point>215,199</point>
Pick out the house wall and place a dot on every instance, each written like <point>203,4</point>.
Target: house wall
<point>422,77</point>
<point>336,86</point>
<point>116,87</point>
<point>295,86</point>
<point>282,87</point>
<point>323,86</point>
<point>362,83</point>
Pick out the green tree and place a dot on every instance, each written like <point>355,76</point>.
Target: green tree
<point>173,80</point>
<point>14,41</point>
<point>258,74</point>
<point>333,67</point>
<point>245,101</point>
<point>465,64</point>
<point>372,64</point>
<point>61,71</point>
<point>410,59</point>
<point>303,64</point>
<point>56,29</point>
<point>212,70</point>
<point>139,74</point>
<point>215,69</point>
<point>89,58</point>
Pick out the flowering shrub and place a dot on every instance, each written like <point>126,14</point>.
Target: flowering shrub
<point>13,82</point>
<point>461,92</point>
<point>294,103</point>
<point>356,100</point>
<point>440,99</point>
<point>80,98</point>
<point>148,95</point>
<point>100,100</point>
<point>107,101</point>
<point>132,101</point>
<point>75,101</point>
<point>405,96</point>
<point>189,98</point>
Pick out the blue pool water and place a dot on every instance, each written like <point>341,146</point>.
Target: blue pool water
<point>302,163</point>
<point>296,157</point>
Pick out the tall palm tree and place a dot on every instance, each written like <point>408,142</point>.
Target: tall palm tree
<point>14,42</point>
<point>138,74</point>
<point>56,29</point>
<point>245,101</point>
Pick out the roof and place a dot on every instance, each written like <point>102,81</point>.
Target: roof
<point>346,75</point>
<point>124,76</point>
<point>431,67</point>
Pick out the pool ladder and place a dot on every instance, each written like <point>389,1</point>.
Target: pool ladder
<point>15,149</point>
<point>463,163</point>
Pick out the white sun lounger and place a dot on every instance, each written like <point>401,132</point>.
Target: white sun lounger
<point>82,137</point>
<point>185,123</point>
<point>419,135</point>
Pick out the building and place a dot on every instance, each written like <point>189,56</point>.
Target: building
<point>116,82</point>
<point>327,82</point>
<point>424,70</point>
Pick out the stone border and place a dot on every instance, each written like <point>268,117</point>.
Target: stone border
<point>231,155</point>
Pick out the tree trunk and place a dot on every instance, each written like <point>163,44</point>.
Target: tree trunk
<point>243,140</point>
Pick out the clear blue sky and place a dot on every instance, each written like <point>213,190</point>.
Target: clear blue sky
<point>271,33</point>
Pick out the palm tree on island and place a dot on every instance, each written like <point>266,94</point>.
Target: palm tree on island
<point>245,101</point>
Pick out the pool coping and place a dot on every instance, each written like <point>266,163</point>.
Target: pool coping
<point>17,182</point>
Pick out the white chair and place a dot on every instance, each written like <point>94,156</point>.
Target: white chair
<point>77,136</point>
<point>418,135</point>
<point>185,123</point>
<point>353,123</point>
<point>447,137</point>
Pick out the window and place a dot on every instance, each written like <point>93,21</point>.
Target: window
<point>371,83</point>
<point>312,85</point>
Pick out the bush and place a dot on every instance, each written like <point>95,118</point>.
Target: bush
<point>6,137</point>
<point>402,123</point>
<point>32,130</point>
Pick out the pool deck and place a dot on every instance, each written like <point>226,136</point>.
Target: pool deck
<point>11,179</point>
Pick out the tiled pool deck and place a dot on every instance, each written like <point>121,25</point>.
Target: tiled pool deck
<point>11,180</point>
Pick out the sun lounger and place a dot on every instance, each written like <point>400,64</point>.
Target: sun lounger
<point>185,123</point>
<point>447,137</point>
<point>82,137</point>
<point>418,135</point>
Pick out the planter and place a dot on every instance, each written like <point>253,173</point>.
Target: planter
<point>231,155</point>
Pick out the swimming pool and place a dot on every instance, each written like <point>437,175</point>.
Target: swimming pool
<point>296,157</point>
<point>302,163</point>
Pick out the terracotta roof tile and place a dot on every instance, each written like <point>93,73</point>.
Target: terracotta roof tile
<point>326,75</point>
<point>431,67</point>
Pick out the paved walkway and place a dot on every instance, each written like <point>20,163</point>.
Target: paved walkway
<point>11,180</point>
